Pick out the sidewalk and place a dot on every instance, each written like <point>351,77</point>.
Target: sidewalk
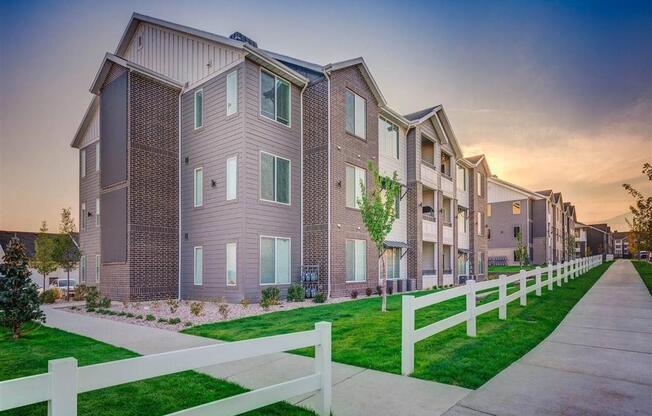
<point>356,391</point>
<point>597,362</point>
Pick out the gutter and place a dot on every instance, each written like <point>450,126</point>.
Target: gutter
<point>301,169</point>
<point>329,183</point>
<point>179,202</point>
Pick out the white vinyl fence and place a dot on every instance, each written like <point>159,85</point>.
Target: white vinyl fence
<point>64,380</point>
<point>410,335</point>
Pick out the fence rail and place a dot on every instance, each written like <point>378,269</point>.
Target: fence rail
<point>64,380</point>
<point>410,304</point>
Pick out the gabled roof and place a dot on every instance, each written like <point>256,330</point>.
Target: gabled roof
<point>28,239</point>
<point>79,134</point>
<point>420,116</point>
<point>360,63</point>
<point>477,160</point>
<point>441,122</point>
<point>547,192</point>
<point>557,197</point>
<point>514,187</point>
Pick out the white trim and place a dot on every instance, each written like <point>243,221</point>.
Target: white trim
<point>355,241</point>
<point>200,281</point>
<point>83,215</point>
<point>194,106</point>
<point>260,262</point>
<point>260,185</point>
<point>97,156</point>
<point>82,162</point>
<point>235,179</point>
<point>97,212</point>
<point>235,265</point>
<point>98,268</point>
<point>235,108</point>
<point>201,188</point>
<point>260,97</point>
<point>82,270</point>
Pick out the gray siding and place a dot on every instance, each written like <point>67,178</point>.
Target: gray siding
<point>113,128</point>
<point>89,191</point>
<point>502,223</point>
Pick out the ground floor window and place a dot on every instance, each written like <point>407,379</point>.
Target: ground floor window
<point>231,257</point>
<point>356,260</point>
<point>274,260</point>
<point>97,268</point>
<point>198,270</point>
<point>393,259</point>
<point>82,268</point>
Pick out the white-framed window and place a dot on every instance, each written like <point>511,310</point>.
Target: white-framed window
<point>356,260</point>
<point>97,212</point>
<point>198,265</point>
<point>82,161</point>
<point>516,207</point>
<point>462,178</point>
<point>231,178</point>
<point>462,220</point>
<point>275,259</point>
<point>478,223</point>
<point>478,183</point>
<point>97,157</point>
<point>356,114</point>
<point>199,108</point>
<point>488,210</point>
<point>82,269</point>
<point>275,178</point>
<point>275,98</point>
<point>82,220</point>
<point>231,263</point>
<point>232,93</point>
<point>355,176</point>
<point>98,268</point>
<point>393,259</point>
<point>199,187</point>
<point>388,140</point>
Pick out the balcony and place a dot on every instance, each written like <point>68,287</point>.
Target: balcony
<point>429,228</point>
<point>463,240</point>
<point>428,175</point>
<point>447,186</point>
<point>447,234</point>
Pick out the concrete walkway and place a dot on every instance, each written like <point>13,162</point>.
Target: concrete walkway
<point>356,391</point>
<point>597,362</point>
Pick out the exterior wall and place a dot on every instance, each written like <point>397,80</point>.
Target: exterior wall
<point>502,223</point>
<point>479,244</point>
<point>89,191</point>
<point>413,214</point>
<point>540,237</point>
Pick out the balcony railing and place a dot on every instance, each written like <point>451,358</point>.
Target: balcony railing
<point>428,163</point>
<point>447,223</point>
<point>429,272</point>
<point>448,271</point>
<point>429,217</point>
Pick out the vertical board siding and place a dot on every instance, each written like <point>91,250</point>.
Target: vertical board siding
<point>92,131</point>
<point>89,190</point>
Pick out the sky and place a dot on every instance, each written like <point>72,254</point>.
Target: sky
<point>557,95</point>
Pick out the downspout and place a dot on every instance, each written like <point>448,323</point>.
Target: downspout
<point>329,183</point>
<point>179,199</point>
<point>301,168</point>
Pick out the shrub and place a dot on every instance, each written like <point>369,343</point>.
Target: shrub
<point>244,302</point>
<point>92,297</point>
<point>187,323</point>
<point>80,292</point>
<point>173,304</point>
<point>223,309</point>
<point>390,290</point>
<point>320,297</point>
<point>270,297</point>
<point>48,296</point>
<point>296,293</point>
<point>139,316</point>
<point>129,315</point>
<point>122,313</point>
<point>90,309</point>
<point>174,321</point>
<point>150,317</point>
<point>368,291</point>
<point>196,308</point>
<point>379,290</point>
<point>163,320</point>
<point>105,302</point>
<point>354,294</point>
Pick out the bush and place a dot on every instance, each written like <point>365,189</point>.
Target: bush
<point>80,292</point>
<point>174,321</point>
<point>187,323</point>
<point>368,291</point>
<point>150,317</point>
<point>163,320</point>
<point>379,290</point>
<point>122,313</point>
<point>296,293</point>
<point>48,296</point>
<point>92,297</point>
<point>196,308</point>
<point>173,304</point>
<point>129,315</point>
<point>244,302</point>
<point>139,316</point>
<point>90,309</point>
<point>105,302</point>
<point>320,297</point>
<point>390,290</point>
<point>354,294</point>
<point>270,297</point>
<point>223,309</point>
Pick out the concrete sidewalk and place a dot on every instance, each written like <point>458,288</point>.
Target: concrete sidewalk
<point>597,362</point>
<point>356,391</point>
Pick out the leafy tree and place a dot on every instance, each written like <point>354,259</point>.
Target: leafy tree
<point>641,224</point>
<point>43,260</point>
<point>570,246</point>
<point>378,209</point>
<point>66,253</point>
<point>521,250</point>
<point>18,293</point>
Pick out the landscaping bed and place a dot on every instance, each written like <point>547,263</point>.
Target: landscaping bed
<point>157,396</point>
<point>365,337</point>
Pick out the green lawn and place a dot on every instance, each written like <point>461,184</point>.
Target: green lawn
<point>365,337</point>
<point>644,269</point>
<point>157,396</point>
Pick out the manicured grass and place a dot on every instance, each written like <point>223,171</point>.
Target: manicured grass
<point>157,396</point>
<point>365,337</point>
<point>644,269</point>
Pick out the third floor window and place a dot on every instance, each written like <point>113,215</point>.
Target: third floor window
<point>274,98</point>
<point>356,114</point>
<point>388,138</point>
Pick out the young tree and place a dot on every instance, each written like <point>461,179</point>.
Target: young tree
<point>521,250</point>
<point>641,224</point>
<point>570,245</point>
<point>43,260</point>
<point>66,253</point>
<point>378,209</point>
<point>18,294</point>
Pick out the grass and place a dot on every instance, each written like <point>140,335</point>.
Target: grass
<point>644,270</point>
<point>365,337</point>
<point>157,396</point>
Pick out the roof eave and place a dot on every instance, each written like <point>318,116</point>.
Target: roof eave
<point>92,106</point>
<point>375,89</point>
<point>263,59</point>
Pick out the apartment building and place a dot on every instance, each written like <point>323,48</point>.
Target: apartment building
<point>594,239</point>
<point>581,240</point>
<point>212,168</point>
<point>621,244</point>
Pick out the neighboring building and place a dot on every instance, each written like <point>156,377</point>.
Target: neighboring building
<point>478,174</point>
<point>581,240</point>
<point>621,244</point>
<point>599,239</point>
<point>29,239</point>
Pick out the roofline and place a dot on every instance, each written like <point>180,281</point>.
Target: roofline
<point>432,112</point>
<point>483,159</point>
<point>390,113</point>
<point>515,187</point>
<point>257,53</point>
<point>309,65</point>
<point>92,106</point>
<point>375,89</point>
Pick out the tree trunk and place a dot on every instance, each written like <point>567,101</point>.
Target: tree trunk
<point>383,308</point>
<point>16,330</point>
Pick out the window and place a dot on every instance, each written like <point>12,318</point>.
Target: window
<point>231,178</point>
<point>231,264</point>
<point>516,208</point>
<point>488,233</point>
<point>462,179</point>
<point>82,220</point>
<point>478,184</point>
<point>274,260</point>
<point>356,114</point>
<point>232,93</point>
<point>354,177</point>
<point>97,212</point>
<point>199,191</point>
<point>481,263</point>
<point>82,268</point>
<point>274,178</point>
<point>488,210</point>
<point>97,157</point>
<point>198,269</point>
<point>388,140</point>
<point>98,265</point>
<point>356,260</point>
<point>461,221</point>
<point>199,109</point>
<point>274,98</point>
<point>82,156</point>
<point>517,231</point>
<point>479,224</point>
<point>393,257</point>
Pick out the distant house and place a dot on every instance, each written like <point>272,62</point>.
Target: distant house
<point>29,239</point>
<point>621,244</point>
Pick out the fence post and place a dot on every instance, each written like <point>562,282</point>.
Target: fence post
<point>550,273</point>
<point>64,387</point>
<point>502,295</point>
<point>566,267</point>
<point>323,366</point>
<point>407,336</point>
<point>522,283</point>
<point>559,274</point>
<point>537,281</point>
<point>470,308</point>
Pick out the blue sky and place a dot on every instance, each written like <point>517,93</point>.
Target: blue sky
<point>557,94</point>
